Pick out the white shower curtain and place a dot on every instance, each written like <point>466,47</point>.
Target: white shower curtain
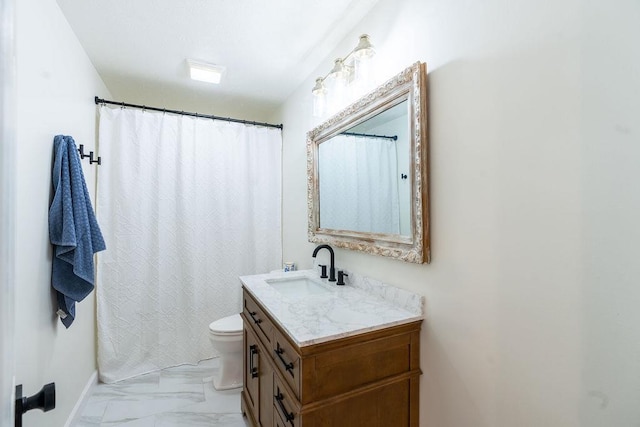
<point>359,184</point>
<point>186,205</point>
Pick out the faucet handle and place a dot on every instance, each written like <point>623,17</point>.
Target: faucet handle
<point>341,275</point>
<point>323,271</point>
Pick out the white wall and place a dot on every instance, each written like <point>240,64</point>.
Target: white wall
<point>532,294</point>
<point>56,84</point>
<point>201,99</point>
<point>7,209</point>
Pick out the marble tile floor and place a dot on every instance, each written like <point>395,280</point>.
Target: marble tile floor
<point>180,396</point>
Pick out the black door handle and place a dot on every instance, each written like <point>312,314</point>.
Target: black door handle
<point>253,350</point>
<point>45,399</point>
<point>288,415</point>
<point>253,317</point>
<point>288,366</point>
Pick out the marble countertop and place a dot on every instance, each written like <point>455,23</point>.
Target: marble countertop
<point>362,305</point>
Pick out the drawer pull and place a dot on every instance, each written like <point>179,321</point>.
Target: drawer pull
<point>288,415</point>
<point>253,314</point>
<point>288,366</point>
<point>253,350</point>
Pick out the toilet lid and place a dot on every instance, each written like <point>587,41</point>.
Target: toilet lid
<point>227,325</point>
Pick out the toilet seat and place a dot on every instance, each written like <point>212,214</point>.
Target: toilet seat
<point>230,325</point>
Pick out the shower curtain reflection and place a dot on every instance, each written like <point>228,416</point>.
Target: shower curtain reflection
<point>186,205</point>
<point>358,188</point>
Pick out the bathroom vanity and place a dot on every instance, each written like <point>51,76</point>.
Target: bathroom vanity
<point>317,354</point>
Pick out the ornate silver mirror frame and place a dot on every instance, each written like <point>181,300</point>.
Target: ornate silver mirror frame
<point>409,85</point>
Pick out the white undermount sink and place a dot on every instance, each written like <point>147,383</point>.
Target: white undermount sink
<point>297,286</point>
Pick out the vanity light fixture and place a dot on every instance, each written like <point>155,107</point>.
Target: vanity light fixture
<point>351,71</point>
<point>204,72</point>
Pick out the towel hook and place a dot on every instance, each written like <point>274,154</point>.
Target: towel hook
<point>91,160</point>
<point>84,155</point>
<point>81,151</point>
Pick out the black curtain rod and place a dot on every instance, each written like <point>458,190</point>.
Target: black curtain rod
<point>394,137</point>
<point>185,113</point>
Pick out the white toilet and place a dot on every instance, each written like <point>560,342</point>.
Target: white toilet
<point>226,338</point>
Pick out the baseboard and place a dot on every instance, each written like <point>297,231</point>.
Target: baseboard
<point>75,414</point>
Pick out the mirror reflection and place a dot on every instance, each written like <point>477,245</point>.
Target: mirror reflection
<point>367,178</point>
<point>364,176</point>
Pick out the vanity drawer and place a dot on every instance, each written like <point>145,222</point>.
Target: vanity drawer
<point>258,320</point>
<point>287,360</point>
<point>278,421</point>
<point>286,412</point>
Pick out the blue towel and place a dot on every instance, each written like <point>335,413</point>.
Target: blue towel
<point>73,230</point>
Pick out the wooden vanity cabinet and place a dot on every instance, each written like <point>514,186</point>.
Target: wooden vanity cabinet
<point>370,379</point>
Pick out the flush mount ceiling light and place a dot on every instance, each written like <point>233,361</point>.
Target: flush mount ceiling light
<point>350,75</point>
<point>204,72</point>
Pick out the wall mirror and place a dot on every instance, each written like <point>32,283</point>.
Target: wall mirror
<point>367,176</point>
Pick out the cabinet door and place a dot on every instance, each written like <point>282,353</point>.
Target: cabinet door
<point>258,380</point>
<point>266,388</point>
<point>251,375</point>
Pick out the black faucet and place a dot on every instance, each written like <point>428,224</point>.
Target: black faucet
<point>332,268</point>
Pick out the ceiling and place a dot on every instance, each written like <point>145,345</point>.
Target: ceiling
<point>268,47</point>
